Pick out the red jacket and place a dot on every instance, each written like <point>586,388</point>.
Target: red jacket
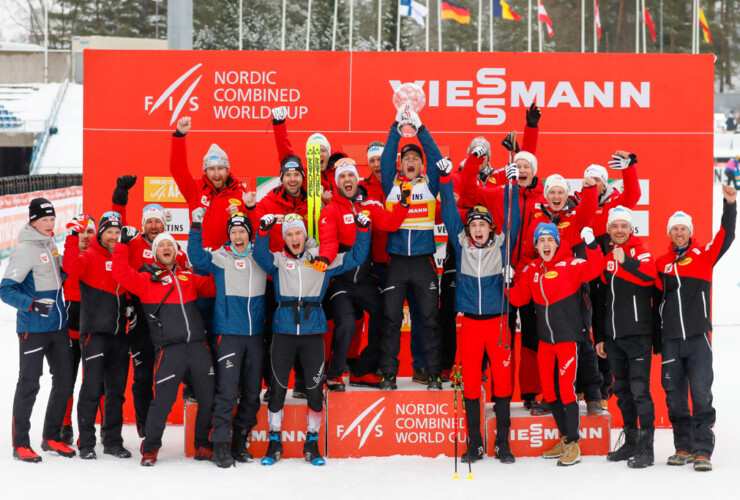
<point>378,237</point>
<point>279,203</point>
<point>628,197</point>
<point>168,298</point>
<point>555,287</point>
<point>103,299</point>
<point>201,193</point>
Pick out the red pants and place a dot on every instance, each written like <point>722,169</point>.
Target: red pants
<point>562,356</point>
<point>475,337</point>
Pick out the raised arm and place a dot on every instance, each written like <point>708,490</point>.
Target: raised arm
<point>450,213</point>
<point>262,254</point>
<point>624,161</point>
<point>179,163</point>
<point>431,151</point>
<point>126,275</point>
<point>388,170</point>
<point>74,262</point>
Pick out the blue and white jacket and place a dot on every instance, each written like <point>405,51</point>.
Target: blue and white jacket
<point>240,287</point>
<point>34,272</point>
<point>299,288</point>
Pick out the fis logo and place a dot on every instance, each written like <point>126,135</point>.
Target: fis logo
<point>357,423</point>
<point>167,96</point>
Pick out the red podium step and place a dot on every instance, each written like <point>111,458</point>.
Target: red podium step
<point>530,436</point>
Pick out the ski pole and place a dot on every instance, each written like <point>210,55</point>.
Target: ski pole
<point>454,387</point>
<point>465,414</point>
<point>507,243</point>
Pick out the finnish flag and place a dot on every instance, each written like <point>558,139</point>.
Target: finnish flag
<point>414,10</point>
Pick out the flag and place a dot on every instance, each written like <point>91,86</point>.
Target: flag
<point>414,10</point>
<point>597,19</point>
<point>650,24</point>
<point>544,18</point>
<point>704,26</point>
<point>456,12</point>
<point>501,9</point>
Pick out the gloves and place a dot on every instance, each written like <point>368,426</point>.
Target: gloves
<point>407,114</point>
<point>510,143</point>
<point>78,224</point>
<point>320,264</point>
<point>587,235</point>
<point>478,151</point>
<point>42,306</point>
<point>279,115</point>
<point>123,184</point>
<point>131,316</point>
<point>619,163</point>
<point>128,233</point>
<point>512,172</point>
<point>508,275</point>
<point>533,116</point>
<point>363,221</point>
<point>406,189</point>
<point>445,167</point>
<point>267,221</point>
<point>197,217</point>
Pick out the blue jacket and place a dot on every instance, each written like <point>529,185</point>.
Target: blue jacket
<point>479,285</point>
<point>240,287</point>
<point>296,280</point>
<point>410,241</point>
<point>33,272</point>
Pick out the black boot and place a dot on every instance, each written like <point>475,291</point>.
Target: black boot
<point>644,456</point>
<point>239,442</point>
<point>222,455</point>
<point>503,422</point>
<point>628,439</point>
<point>274,449</point>
<point>475,440</point>
<point>311,449</point>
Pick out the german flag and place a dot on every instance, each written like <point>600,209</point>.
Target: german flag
<point>456,12</point>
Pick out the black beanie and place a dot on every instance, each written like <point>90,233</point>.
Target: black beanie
<point>108,220</point>
<point>412,148</point>
<point>291,163</point>
<point>236,220</point>
<point>40,207</point>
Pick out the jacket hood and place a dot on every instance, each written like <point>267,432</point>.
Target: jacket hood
<point>29,233</point>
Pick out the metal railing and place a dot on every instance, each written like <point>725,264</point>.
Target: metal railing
<point>19,184</point>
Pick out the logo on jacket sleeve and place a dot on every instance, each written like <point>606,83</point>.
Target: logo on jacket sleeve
<point>240,264</point>
<point>349,219</point>
<point>109,265</point>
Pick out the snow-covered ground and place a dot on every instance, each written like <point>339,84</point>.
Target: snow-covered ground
<point>63,153</point>
<point>395,477</point>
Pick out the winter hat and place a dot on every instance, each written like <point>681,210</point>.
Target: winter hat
<point>525,155</point>
<point>345,165</point>
<point>620,213</point>
<point>323,141</point>
<point>374,149</point>
<point>108,220</point>
<point>598,172</point>
<point>293,220</point>
<point>479,212</point>
<point>90,222</point>
<point>680,218</point>
<point>153,211</point>
<point>159,239</point>
<point>546,229</point>
<point>482,142</point>
<point>408,148</point>
<point>238,219</point>
<point>216,157</point>
<point>40,207</point>
<point>291,163</point>
<point>556,180</point>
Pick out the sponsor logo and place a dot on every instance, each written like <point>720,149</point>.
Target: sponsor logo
<point>168,216</point>
<point>538,214</point>
<point>234,201</point>
<point>147,254</point>
<point>229,364</point>
<point>108,265</point>
<point>166,97</point>
<point>610,266</point>
<point>205,201</point>
<point>211,372</point>
<point>240,264</point>
<point>643,256</point>
<point>55,253</point>
<point>162,189</point>
<point>471,249</point>
<point>167,280</point>
<point>566,365</point>
<point>668,268</point>
<point>551,274</point>
<point>537,435</point>
<point>290,264</point>
<point>372,428</point>
<point>44,258</point>
<point>536,277</point>
<point>182,278</point>
<point>561,264</point>
<point>348,219</point>
<point>685,261</point>
<point>563,225</point>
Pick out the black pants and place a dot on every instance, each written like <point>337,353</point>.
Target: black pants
<point>345,304</point>
<point>239,369</point>
<point>567,419</point>
<point>284,352</point>
<point>142,359</point>
<point>687,364</point>
<point>447,313</point>
<point>631,359</point>
<point>172,363</point>
<point>33,347</point>
<point>598,298</point>
<point>418,273</point>
<point>104,371</point>
<point>270,307</point>
<point>588,377</point>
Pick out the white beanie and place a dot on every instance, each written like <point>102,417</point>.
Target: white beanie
<point>159,239</point>
<point>295,221</point>
<point>680,218</point>
<point>620,213</point>
<point>216,157</point>
<point>556,180</point>
<point>598,172</point>
<point>374,151</point>
<point>153,211</point>
<point>345,165</point>
<point>525,155</point>
<point>323,141</point>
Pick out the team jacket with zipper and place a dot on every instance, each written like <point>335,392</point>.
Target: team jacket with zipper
<point>686,281</point>
<point>168,298</point>
<point>555,287</point>
<point>240,287</point>
<point>33,273</point>
<point>297,281</point>
<point>479,270</point>
<point>279,203</point>
<point>630,288</point>
<point>103,299</point>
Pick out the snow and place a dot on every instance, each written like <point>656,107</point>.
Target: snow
<point>63,153</point>
<point>31,102</point>
<point>396,477</point>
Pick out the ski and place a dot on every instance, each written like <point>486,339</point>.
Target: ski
<point>313,187</point>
